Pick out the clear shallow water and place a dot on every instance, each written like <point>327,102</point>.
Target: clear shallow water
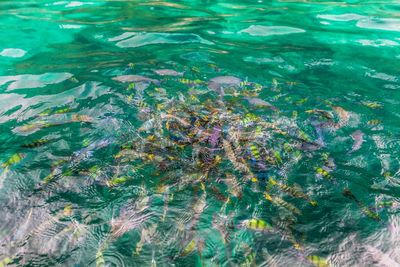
<point>119,168</point>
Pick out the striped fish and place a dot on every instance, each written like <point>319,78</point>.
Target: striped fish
<point>257,224</point>
<point>282,203</point>
<point>36,143</point>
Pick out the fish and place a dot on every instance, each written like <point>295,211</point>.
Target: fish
<point>183,122</point>
<point>31,127</point>
<point>216,192</point>
<point>6,261</point>
<point>256,225</point>
<point>323,172</point>
<point>240,166</point>
<point>198,208</point>
<point>323,113</point>
<point>146,236</point>
<point>344,117</point>
<point>135,78</point>
<point>189,248</point>
<point>318,130</point>
<point>87,152</point>
<point>294,191</point>
<point>218,83</point>
<point>115,181</point>
<point>219,223</point>
<point>255,153</point>
<point>249,260</point>
<point>14,159</point>
<point>282,203</point>
<point>234,188</point>
<point>36,143</point>
<point>229,80</point>
<point>358,137</point>
<point>131,217</point>
<point>364,209</point>
<point>257,102</point>
<point>318,261</point>
<point>168,72</point>
<point>215,135</point>
<point>81,118</point>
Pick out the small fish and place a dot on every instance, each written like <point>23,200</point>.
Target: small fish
<point>81,118</point>
<point>62,110</point>
<point>240,166</point>
<point>374,122</point>
<point>168,72</point>
<point>5,262</point>
<point>87,152</point>
<point>36,143</point>
<point>219,223</point>
<point>318,261</point>
<point>146,236</point>
<point>257,225</point>
<point>371,105</point>
<point>189,248</point>
<point>31,127</point>
<point>364,209</point>
<point>215,136</point>
<point>233,185</point>
<point>344,117</point>
<point>14,159</point>
<point>323,113</point>
<point>318,130</point>
<point>100,262</point>
<point>255,153</point>
<point>117,181</point>
<point>249,260</point>
<point>198,208</point>
<point>358,138</point>
<point>183,122</point>
<point>131,217</point>
<point>323,172</point>
<point>134,78</point>
<point>282,203</point>
<point>294,191</point>
<point>216,192</point>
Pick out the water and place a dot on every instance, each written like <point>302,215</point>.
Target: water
<point>123,176</point>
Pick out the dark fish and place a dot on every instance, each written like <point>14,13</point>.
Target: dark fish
<point>364,209</point>
<point>348,194</point>
<point>358,138</point>
<point>36,143</point>
<point>218,194</point>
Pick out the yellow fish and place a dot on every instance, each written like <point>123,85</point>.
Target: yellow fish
<point>190,247</point>
<point>318,261</point>
<point>14,159</point>
<point>257,224</point>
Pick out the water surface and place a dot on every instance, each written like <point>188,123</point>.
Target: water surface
<point>104,169</point>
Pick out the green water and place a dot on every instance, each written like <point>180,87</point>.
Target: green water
<point>75,198</point>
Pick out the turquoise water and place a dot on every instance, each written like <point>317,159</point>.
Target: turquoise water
<point>256,133</point>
